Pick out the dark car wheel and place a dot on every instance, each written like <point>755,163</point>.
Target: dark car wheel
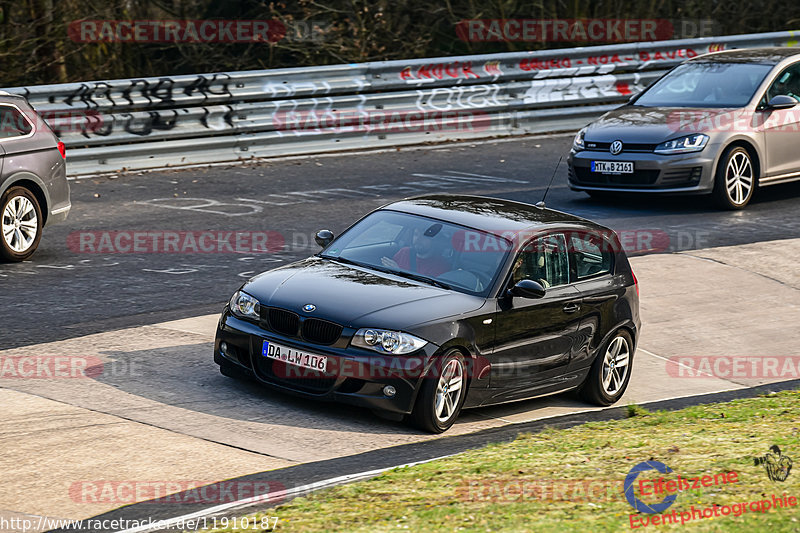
<point>610,372</point>
<point>735,180</point>
<point>442,394</point>
<point>20,225</point>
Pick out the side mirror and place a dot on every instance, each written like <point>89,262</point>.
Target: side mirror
<point>527,288</point>
<point>781,101</point>
<point>324,237</point>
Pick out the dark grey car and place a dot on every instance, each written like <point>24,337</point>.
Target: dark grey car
<point>723,124</point>
<point>33,182</point>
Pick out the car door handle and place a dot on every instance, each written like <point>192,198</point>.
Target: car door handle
<point>572,307</point>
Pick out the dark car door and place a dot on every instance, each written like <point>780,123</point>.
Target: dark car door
<point>592,264</point>
<point>535,337</point>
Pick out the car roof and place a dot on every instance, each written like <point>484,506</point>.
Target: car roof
<point>493,215</point>
<point>764,56</point>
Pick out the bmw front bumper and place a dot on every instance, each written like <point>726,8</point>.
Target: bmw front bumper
<point>358,376</point>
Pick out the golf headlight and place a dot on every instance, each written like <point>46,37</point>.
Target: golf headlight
<point>386,341</point>
<point>683,145</point>
<point>245,306</point>
<point>578,142</point>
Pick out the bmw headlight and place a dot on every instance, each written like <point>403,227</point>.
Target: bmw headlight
<point>386,341</point>
<point>578,143</point>
<point>245,306</point>
<point>683,145</point>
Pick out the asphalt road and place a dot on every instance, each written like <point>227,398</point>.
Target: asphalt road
<point>68,290</point>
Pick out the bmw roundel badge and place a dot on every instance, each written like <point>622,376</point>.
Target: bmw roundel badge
<point>309,308</point>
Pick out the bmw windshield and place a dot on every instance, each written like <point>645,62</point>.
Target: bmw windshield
<point>425,249</point>
<point>706,84</point>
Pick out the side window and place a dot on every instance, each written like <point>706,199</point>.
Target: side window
<point>787,82</point>
<point>592,255</point>
<point>12,122</point>
<point>543,260</point>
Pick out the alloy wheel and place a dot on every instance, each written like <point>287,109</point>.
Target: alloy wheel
<point>739,178</point>
<point>448,390</point>
<point>20,224</point>
<point>615,365</point>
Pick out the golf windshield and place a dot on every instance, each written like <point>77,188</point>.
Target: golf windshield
<point>422,248</point>
<point>706,84</point>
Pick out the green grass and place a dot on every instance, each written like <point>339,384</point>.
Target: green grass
<point>696,441</point>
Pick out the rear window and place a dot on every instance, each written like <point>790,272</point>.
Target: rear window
<point>13,122</point>
<point>592,255</point>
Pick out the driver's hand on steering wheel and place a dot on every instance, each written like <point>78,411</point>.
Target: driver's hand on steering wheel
<point>544,283</point>
<point>389,263</point>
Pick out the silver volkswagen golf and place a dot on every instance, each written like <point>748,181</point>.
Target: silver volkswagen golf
<point>722,124</point>
<point>33,181</point>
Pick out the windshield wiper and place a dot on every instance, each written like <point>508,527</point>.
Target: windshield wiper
<point>401,273</point>
<point>418,277</point>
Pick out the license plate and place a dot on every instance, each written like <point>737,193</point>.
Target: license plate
<point>294,357</point>
<point>613,167</point>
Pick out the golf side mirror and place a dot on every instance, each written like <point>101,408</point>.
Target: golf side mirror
<point>527,288</point>
<point>324,237</point>
<point>782,101</point>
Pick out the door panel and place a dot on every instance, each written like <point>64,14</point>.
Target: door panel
<point>535,338</point>
<point>782,126</point>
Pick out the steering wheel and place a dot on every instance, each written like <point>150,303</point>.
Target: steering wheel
<point>464,278</point>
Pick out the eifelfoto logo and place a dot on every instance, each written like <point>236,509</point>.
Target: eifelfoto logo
<point>775,463</point>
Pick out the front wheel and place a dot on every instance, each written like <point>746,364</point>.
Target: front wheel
<point>736,179</point>
<point>20,225</point>
<point>611,371</point>
<point>443,391</point>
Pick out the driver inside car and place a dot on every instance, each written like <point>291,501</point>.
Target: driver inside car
<point>421,257</point>
<point>530,265</point>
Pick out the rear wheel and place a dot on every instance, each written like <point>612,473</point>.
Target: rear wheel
<point>20,224</point>
<point>611,371</point>
<point>442,394</point>
<point>736,179</point>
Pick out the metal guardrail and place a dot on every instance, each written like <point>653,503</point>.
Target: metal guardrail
<point>149,123</point>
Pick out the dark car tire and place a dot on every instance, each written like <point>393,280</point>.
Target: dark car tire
<point>594,390</point>
<point>731,190</point>
<point>424,415</point>
<point>233,371</point>
<point>19,196</point>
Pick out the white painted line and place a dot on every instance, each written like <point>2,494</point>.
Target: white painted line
<point>272,496</point>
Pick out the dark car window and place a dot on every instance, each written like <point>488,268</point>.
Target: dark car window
<point>788,83</point>
<point>706,84</point>
<point>12,122</point>
<point>464,259</point>
<point>592,255</point>
<point>543,260</point>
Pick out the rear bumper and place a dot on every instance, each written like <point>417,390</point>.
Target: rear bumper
<point>653,173</point>
<point>355,376</point>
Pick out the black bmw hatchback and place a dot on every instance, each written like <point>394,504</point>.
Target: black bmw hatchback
<point>430,305</point>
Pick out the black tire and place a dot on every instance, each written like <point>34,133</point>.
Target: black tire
<point>424,415</point>
<point>593,389</point>
<point>233,371</point>
<point>734,199</point>
<point>18,249</point>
